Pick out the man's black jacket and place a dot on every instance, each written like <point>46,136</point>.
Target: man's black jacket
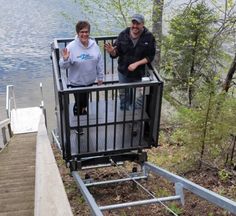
<point>128,53</point>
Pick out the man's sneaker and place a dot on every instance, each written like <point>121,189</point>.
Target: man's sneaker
<point>75,110</point>
<point>81,132</point>
<point>122,108</point>
<point>134,133</point>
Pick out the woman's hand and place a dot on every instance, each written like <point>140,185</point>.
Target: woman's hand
<point>100,82</point>
<point>65,54</point>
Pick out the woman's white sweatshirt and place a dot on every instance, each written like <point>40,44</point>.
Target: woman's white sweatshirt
<point>84,64</point>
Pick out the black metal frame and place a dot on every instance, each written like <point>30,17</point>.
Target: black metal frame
<point>105,120</point>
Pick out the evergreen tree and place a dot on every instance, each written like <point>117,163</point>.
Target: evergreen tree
<point>187,63</point>
<point>205,130</point>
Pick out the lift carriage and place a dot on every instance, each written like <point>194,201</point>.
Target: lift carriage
<point>111,135</point>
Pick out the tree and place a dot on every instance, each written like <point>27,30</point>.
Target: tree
<point>205,130</point>
<point>115,14</point>
<point>187,47</point>
<point>194,62</point>
<point>230,74</point>
<point>157,13</point>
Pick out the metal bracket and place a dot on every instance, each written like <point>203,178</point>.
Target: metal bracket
<point>181,183</point>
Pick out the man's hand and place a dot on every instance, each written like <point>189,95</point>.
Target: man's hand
<point>133,66</point>
<point>110,49</point>
<point>65,54</point>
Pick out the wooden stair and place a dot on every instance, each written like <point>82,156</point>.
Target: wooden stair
<point>17,176</point>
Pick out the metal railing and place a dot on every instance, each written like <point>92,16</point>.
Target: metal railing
<point>11,106</point>
<point>5,133</point>
<point>42,103</point>
<point>10,100</point>
<point>5,125</point>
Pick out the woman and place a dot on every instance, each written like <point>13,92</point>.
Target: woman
<point>82,58</point>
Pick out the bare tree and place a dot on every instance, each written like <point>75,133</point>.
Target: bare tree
<point>157,28</point>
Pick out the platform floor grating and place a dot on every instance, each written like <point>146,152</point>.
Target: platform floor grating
<point>107,131</point>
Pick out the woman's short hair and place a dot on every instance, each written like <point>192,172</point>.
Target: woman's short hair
<point>82,24</point>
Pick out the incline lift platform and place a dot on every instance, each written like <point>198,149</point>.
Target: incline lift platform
<point>112,136</point>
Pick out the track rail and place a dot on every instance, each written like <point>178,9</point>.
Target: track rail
<point>179,182</point>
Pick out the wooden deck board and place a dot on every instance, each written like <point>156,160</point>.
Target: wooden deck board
<point>17,176</point>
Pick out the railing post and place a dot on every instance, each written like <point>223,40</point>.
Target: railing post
<point>10,96</point>
<point>179,191</point>
<point>42,103</point>
<point>5,133</point>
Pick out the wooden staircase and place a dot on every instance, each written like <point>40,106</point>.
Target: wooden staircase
<point>17,176</point>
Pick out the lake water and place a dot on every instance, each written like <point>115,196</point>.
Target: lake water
<point>27,27</point>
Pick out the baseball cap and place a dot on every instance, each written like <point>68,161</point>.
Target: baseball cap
<point>138,17</point>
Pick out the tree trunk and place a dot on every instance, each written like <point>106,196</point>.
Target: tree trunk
<point>192,71</point>
<point>205,132</point>
<point>230,75</point>
<point>157,29</point>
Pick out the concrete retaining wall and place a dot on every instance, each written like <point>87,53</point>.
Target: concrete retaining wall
<point>50,195</point>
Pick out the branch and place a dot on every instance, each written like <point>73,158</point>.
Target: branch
<point>122,13</point>
<point>227,24</point>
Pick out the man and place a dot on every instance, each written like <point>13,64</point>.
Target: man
<point>134,47</point>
